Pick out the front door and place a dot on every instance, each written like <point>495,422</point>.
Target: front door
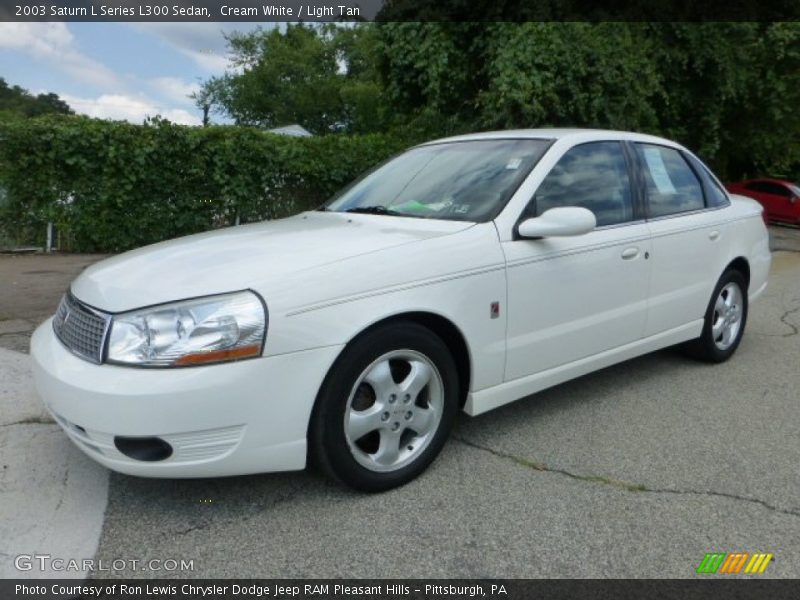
<point>573,297</point>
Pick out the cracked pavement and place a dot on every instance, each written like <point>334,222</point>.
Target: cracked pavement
<point>625,485</point>
<point>635,471</point>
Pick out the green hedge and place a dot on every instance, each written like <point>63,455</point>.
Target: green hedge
<point>111,186</point>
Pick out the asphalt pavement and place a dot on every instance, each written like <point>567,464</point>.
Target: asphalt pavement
<point>634,471</point>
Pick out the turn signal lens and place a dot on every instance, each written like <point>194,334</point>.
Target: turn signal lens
<point>219,356</point>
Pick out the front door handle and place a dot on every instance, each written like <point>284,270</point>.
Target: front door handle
<point>714,235</point>
<point>630,253</point>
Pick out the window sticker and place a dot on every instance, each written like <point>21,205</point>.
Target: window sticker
<point>514,164</point>
<point>658,171</point>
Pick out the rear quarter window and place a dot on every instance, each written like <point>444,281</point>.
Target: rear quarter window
<point>715,194</point>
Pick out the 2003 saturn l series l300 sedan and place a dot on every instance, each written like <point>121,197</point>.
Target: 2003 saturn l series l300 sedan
<point>463,274</point>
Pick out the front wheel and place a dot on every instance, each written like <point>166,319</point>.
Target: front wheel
<point>386,408</point>
<point>725,319</point>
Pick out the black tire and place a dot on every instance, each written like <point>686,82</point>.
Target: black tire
<point>706,347</point>
<point>329,448</point>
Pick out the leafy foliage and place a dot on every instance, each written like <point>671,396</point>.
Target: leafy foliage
<point>726,90</point>
<point>594,75</point>
<point>322,78</point>
<point>111,186</point>
<point>17,102</point>
<point>729,91</point>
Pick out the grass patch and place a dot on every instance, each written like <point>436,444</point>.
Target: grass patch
<point>540,466</point>
<point>625,485</point>
<point>531,464</point>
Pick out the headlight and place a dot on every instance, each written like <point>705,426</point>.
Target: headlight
<point>192,332</point>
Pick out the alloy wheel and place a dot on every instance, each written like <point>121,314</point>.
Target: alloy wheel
<point>727,319</point>
<point>394,410</point>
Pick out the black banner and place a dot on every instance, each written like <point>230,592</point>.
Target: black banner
<point>192,10</point>
<point>397,10</point>
<point>407,589</point>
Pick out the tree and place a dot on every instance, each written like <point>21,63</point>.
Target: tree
<point>364,102</point>
<point>727,90</point>
<point>204,99</point>
<point>730,91</point>
<point>18,102</point>
<point>324,78</point>
<point>320,77</point>
<point>563,74</point>
<point>500,75</point>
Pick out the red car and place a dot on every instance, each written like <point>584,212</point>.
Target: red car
<point>780,199</point>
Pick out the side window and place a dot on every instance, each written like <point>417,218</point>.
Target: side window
<point>592,176</point>
<point>715,194</point>
<point>672,186</point>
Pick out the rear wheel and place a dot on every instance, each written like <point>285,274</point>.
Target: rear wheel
<point>725,319</point>
<point>386,408</point>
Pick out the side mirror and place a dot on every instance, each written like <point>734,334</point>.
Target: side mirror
<point>557,222</point>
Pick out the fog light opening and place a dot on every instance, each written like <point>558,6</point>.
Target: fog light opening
<point>148,449</point>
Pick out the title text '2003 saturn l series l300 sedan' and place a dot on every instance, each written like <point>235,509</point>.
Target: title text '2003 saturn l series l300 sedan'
<point>464,274</point>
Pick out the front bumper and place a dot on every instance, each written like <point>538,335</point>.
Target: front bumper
<point>230,419</point>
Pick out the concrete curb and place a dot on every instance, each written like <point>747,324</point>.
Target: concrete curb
<point>52,497</point>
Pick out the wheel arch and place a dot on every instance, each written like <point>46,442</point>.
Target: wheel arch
<point>446,329</point>
<point>741,265</point>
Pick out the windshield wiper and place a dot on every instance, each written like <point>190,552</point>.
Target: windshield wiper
<point>375,210</point>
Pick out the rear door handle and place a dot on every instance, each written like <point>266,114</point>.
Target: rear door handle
<point>630,253</point>
<point>714,235</point>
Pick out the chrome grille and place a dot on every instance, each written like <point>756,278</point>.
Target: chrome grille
<point>81,329</point>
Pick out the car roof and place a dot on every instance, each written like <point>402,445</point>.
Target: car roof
<point>575,135</point>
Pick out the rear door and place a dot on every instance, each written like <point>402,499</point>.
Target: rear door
<point>688,235</point>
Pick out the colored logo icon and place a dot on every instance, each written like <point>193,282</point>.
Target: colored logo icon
<point>734,563</point>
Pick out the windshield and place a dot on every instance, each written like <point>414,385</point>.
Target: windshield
<point>458,181</point>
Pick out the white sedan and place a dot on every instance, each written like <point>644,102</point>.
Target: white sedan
<point>462,274</point>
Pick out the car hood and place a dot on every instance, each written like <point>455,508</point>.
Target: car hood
<point>244,257</point>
